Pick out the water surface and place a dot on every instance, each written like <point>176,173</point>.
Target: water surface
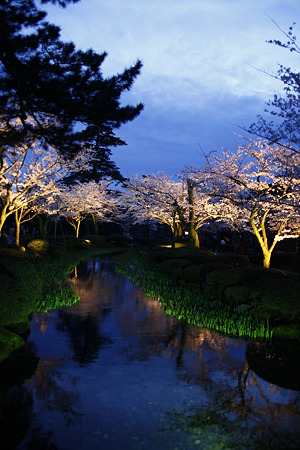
<point>115,372</point>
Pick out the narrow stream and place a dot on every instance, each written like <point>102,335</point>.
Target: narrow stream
<point>115,372</point>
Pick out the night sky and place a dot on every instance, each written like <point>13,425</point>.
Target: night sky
<point>203,70</point>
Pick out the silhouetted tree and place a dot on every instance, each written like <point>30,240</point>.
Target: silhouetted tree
<point>54,93</point>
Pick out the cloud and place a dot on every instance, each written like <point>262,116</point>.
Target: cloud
<point>168,139</point>
<point>199,76</point>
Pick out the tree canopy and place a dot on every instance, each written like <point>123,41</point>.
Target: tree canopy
<point>261,182</point>
<point>53,92</point>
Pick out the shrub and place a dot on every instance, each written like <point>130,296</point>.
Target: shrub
<point>19,282</point>
<point>278,294</point>
<point>198,273</point>
<point>222,278</point>
<point>38,246</point>
<point>20,289</point>
<point>9,342</point>
<point>237,294</point>
<point>170,265</point>
<point>179,274</point>
<point>194,255</point>
<point>290,331</point>
<point>74,243</point>
<point>17,253</point>
<point>232,259</point>
<point>193,274</point>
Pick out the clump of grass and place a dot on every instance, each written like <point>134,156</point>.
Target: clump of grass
<point>188,302</point>
<point>60,297</point>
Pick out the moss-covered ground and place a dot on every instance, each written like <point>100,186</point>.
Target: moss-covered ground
<point>220,291</point>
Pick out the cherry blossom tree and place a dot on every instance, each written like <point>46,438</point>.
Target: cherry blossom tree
<point>81,200</point>
<point>179,204</point>
<point>29,173</point>
<point>263,185</point>
<point>200,205</point>
<point>154,197</point>
<point>29,205</point>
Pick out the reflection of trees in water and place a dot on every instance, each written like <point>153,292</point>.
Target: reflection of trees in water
<point>16,402</point>
<point>237,399</point>
<point>49,388</point>
<point>96,286</point>
<point>39,440</point>
<point>15,415</point>
<point>85,337</point>
<point>211,428</point>
<point>82,323</point>
<point>143,318</point>
<point>204,358</point>
<point>276,363</point>
<point>207,359</point>
<point>84,273</point>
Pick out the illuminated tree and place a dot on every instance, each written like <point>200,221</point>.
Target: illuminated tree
<point>28,177</point>
<point>26,207</point>
<point>154,197</point>
<point>81,200</point>
<point>201,206</point>
<point>179,204</point>
<point>26,174</point>
<point>262,183</point>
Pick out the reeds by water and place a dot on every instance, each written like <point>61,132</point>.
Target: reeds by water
<point>187,302</point>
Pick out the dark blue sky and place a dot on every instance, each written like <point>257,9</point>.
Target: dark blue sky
<point>199,80</point>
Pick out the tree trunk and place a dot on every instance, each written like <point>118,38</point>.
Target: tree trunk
<point>43,225</point>
<point>18,226</point>
<point>262,239</point>
<point>194,239</point>
<point>2,221</point>
<point>193,235</point>
<point>4,214</point>
<point>178,233</point>
<point>77,229</point>
<point>267,259</point>
<point>95,222</point>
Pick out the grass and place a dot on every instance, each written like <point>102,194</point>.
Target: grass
<point>229,297</point>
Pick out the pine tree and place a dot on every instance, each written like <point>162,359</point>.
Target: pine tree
<point>57,94</point>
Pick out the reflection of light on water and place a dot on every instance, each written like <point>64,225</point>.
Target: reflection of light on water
<point>274,390</point>
<point>43,326</point>
<point>41,320</point>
